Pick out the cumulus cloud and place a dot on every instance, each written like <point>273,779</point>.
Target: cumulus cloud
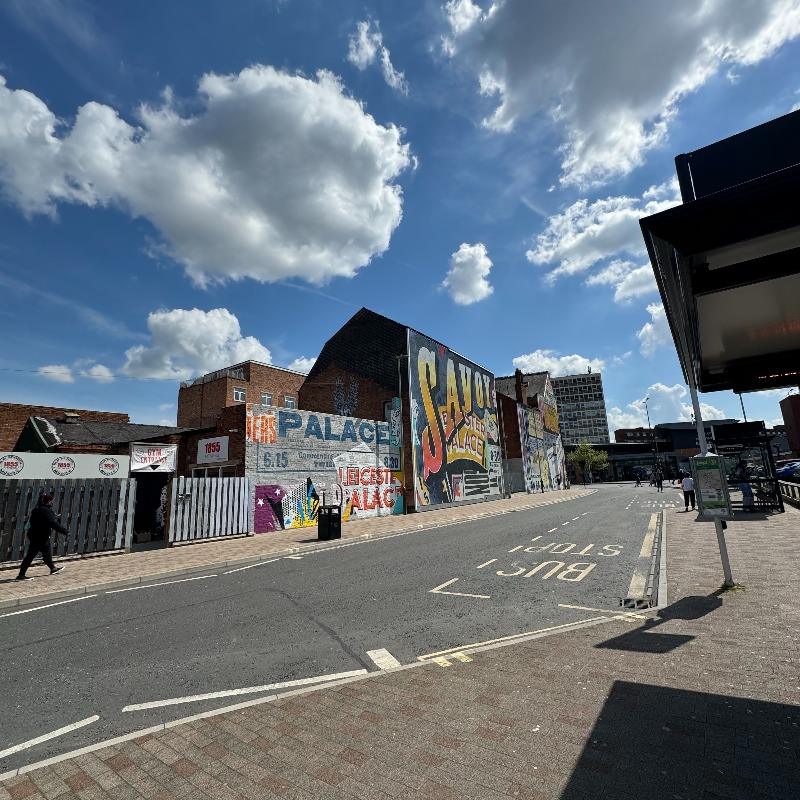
<point>99,373</point>
<point>557,365</point>
<point>665,404</point>
<point>466,280</point>
<point>275,176</point>
<point>654,334</point>
<point>628,280</point>
<point>611,81</point>
<point>302,365</point>
<point>185,343</point>
<point>366,47</point>
<point>588,233</point>
<point>60,373</point>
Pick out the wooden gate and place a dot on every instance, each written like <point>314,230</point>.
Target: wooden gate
<point>208,508</point>
<point>97,512</point>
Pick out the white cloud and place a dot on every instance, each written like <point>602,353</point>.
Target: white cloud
<point>654,334</point>
<point>628,280</point>
<point>466,279</point>
<point>366,46</point>
<point>611,80</point>
<point>665,404</point>
<point>557,365</point>
<point>60,373</point>
<point>275,175</point>
<point>99,373</point>
<point>185,343</point>
<point>302,364</point>
<point>587,233</point>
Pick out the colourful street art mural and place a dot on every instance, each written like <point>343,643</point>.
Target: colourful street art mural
<point>543,461</point>
<point>455,435</point>
<point>299,459</point>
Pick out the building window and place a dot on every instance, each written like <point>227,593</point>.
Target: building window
<point>266,399</point>
<point>288,402</point>
<point>239,395</point>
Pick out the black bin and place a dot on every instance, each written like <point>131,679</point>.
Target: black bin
<point>329,522</point>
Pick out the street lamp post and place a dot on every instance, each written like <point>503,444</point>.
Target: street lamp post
<point>652,434</point>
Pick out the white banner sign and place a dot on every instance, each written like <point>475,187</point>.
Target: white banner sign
<point>25,466</point>
<point>210,451</point>
<point>153,457</point>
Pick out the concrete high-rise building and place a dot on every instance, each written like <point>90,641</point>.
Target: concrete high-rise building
<point>581,408</point>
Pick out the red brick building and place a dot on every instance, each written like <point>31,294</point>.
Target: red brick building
<point>201,400</point>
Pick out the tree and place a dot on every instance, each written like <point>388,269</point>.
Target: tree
<point>588,458</point>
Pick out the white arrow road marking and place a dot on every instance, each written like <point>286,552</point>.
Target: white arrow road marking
<point>194,698</point>
<point>383,659</point>
<point>153,585</point>
<point>438,590</point>
<point>250,566</point>
<point>50,605</point>
<point>39,739</point>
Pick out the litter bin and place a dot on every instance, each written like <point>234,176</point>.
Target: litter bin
<point>329,522</point>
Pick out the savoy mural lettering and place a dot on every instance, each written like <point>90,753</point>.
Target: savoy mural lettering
<point>455,435</point>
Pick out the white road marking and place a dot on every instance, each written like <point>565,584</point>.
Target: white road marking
<point>486,563</point>
<point>295,558</point>
<point>564,523</point>
<point>552,529</point>
<point>250,566</point>
<point>166,583</point>
<point>438,590</point>
<point>574,518</point>
<point>50,605</point>
<point>194,698</point>
<point>47,736</point>
<point>383,659</point>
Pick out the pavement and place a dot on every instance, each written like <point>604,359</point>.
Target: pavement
<point>694,700</point>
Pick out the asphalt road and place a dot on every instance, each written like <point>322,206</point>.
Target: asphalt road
<point>414,595</point>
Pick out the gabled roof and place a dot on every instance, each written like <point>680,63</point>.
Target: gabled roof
<point>367,344</point>
<point>54,432</point>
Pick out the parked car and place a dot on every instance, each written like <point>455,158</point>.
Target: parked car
<point>789,471</point>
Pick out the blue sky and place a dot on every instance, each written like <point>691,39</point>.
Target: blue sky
<point>184,186</point>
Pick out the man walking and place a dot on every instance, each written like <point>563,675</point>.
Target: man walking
<point>687,484</point>
<point>42,521</point>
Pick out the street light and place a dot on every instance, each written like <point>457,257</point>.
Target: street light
<point>652,434</point>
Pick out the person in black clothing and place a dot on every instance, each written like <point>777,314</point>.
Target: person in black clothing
<point>42,521</point>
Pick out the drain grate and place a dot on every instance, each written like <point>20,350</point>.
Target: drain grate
<point>635,602</point>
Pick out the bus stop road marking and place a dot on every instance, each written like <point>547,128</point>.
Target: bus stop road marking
<point>439,590</point>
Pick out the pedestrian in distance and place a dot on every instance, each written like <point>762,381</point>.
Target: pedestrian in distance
<point>638,480</point>
<point>659,476</point>
<point>687,484</point>
<point>42,520</point>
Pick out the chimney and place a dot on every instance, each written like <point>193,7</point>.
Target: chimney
<point>520,389</point>
<point>70,417</point>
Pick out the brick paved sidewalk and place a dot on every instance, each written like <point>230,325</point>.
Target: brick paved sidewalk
<point>700,700</point>
<point>83,575</point>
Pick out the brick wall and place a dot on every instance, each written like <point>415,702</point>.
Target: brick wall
<point>509,429</point>
<point>318,394</point>
<point>199,405</point>
<point>13,417</point>
<point>230,423</point>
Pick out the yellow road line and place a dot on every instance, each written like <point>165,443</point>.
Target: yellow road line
<point>507,638</point>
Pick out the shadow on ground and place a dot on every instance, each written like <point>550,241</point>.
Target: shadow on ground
<point>659,743</point>
<point>644,640</point>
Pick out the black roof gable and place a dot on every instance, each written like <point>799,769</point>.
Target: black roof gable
<point>367,344</point>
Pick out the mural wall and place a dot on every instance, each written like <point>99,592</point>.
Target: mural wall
<point>295,459</point>
<point>455,435</point>
<point>543,458</point>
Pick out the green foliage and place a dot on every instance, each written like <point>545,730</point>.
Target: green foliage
<point>589,458</point>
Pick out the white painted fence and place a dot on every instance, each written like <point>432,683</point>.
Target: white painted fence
<point>208,508</point>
